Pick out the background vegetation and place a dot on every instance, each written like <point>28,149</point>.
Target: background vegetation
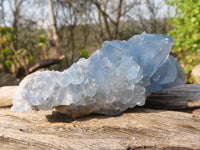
<point>44,32</point>
<point>186,32</point>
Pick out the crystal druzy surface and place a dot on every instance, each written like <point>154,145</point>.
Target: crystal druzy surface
<point>118,76</point>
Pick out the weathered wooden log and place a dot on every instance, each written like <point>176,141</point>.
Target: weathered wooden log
<point>35,66</point>
<point>169,120</point>
<point>6,95</point>
<point>177,98</point>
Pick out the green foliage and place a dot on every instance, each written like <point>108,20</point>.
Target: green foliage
<point>191,79</point>
<point>30,59</point>
<point>84,53</point>
<point>7,35</point>
<point>62,62</point>
<point>8,63</point>
<point>7,51</point>
<point>12,57</point>
<point>186,32</point>
<point>7,38</point>
<point>42,43</point>
<point>3,31</point>
<point>42,40</point>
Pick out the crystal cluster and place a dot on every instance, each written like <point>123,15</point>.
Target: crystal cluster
<point>119,76</point>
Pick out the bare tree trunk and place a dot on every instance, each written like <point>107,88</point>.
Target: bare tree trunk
<point>16,13</point>
<point>153,9</point>
<point>2,19</point>
<point>86,33</point>
<point>73,43</point>
<point>105,16</point>
<point>56,36</point>
<point>119,9</point>
<point>111,21</point>
<point>101,34</point>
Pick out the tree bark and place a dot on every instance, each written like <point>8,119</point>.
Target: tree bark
<point>119,10</point>
<point>56,36</point>
<point>104,15</point>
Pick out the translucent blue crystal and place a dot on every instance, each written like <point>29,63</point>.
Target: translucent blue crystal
<point>119,76</point>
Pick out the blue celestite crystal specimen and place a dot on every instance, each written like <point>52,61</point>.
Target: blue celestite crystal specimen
<point>119,76</point>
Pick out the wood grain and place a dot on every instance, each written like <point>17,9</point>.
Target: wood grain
<point>169,120</point>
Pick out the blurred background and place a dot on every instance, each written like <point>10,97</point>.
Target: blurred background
<point>53,34</point>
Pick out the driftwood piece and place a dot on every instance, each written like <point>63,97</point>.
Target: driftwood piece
<point>35,66</point>
<point>177,98</point>
<point>6,95</point>
<point>169,120</point>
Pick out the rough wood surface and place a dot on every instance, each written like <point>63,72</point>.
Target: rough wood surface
<point>6,95</point>
<point>169,120</point>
